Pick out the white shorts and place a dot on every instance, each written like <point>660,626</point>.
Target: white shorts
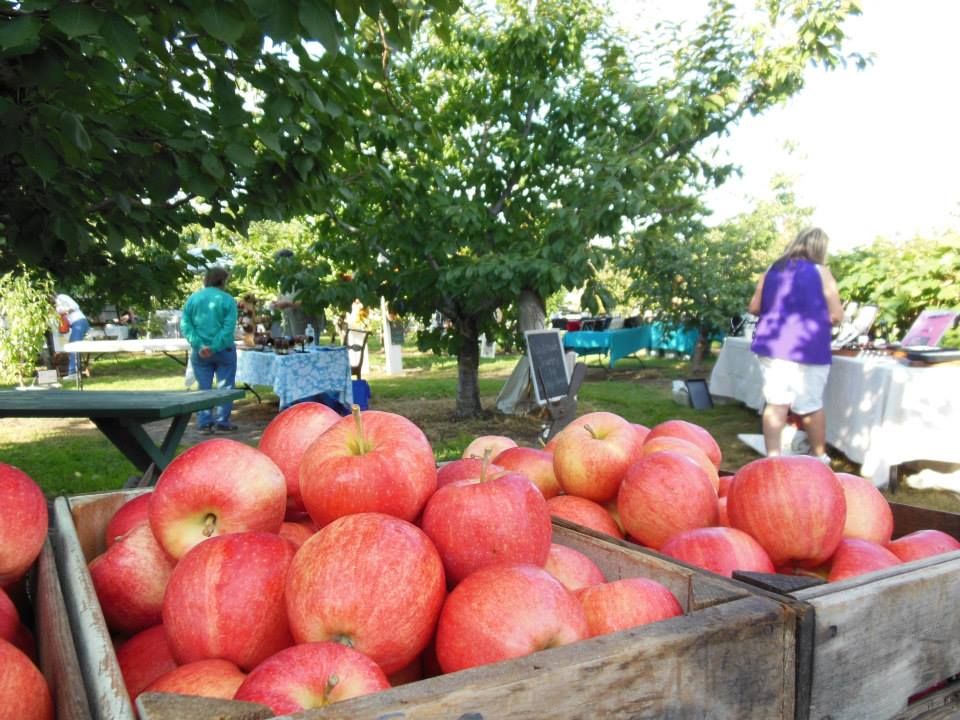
<point>797,385</point>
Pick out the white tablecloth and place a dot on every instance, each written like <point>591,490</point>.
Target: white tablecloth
<point>298,375</point>
<point>146,345</point>
<point>879,412</point>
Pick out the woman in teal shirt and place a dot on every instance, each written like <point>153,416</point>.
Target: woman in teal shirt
<point>208,323</point>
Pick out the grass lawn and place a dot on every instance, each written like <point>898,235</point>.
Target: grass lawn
<point>71,456</point>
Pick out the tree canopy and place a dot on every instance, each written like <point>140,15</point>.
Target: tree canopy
<point>537,131</point>
<point>125,122</point>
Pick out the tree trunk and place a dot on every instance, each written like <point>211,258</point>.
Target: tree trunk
<point>532,311</point>
<point>468,367</point>
<point>699,350</point>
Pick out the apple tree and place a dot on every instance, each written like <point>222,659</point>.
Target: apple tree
<point>533,130</point>
<point>122,123</point>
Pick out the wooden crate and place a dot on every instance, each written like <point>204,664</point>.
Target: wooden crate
<point>39,600</point>
<point>869,644</point>
<point>731,655</point>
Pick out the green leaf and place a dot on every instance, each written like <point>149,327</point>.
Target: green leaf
<point>349,11</point>
<point>74,131</point>
<point>121,36</point>
<point>321,24</point>
<point>240,155</point>
<point>19,32</point>
<point>222,21</point>
<point>41,159</point>
<point>211,163</point>
<point>76,19</point>
<point>371,8</point>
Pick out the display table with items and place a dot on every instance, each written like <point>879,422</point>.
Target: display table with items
<point>881,410</point>
<point>620,343</point>
<point>298,375</point>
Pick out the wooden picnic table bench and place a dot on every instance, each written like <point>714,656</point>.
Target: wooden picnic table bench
<point>121,415</point>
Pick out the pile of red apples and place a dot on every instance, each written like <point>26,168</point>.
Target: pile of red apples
<point>24,693</point>
<point>337,560</point>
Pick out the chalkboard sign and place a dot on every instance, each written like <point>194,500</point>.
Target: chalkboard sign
<point>547,364</point>
<point>699,394</point>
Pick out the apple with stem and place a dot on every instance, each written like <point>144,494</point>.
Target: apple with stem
<point>216,487</point>
<point>372,461</point>
<point>592,454</point>
<point>369,581</point>
<point>311,675</point>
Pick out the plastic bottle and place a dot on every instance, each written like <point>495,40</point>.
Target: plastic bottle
<point>308,333</point>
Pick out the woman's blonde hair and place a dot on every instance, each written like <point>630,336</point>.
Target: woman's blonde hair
<point>809,244</point>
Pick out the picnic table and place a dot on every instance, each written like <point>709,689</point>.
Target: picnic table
<point>121,415</point>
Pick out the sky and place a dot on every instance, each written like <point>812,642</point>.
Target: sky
<point>877,151</point>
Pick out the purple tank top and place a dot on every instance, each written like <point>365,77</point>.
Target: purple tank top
<point>794,320</point>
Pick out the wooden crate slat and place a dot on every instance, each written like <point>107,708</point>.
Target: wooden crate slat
<point>878,642</point>
<point>105,688</point>
<point>55,645</point>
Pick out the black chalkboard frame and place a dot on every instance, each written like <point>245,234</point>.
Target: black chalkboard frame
<point>549,341</point>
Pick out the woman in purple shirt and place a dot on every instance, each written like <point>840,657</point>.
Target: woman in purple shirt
<point>798,301</point>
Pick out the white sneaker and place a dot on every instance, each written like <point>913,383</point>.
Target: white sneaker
<point>825,459</point>
<point>69,378</point>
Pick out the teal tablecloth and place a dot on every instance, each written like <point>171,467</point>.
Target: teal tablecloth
<point>619,344</point>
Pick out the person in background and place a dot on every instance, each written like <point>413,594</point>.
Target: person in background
<point>208,322</point>
<point>293,319</point>
<point>128,318</point>
<point>797,302</point>
<point>70,312</point>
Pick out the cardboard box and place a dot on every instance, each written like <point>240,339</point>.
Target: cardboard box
<point>732,654</point>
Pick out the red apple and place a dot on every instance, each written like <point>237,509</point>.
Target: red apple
<point>719,549</point>
<point>921,544</point>
<point>467,469</point>
<point>869,516</point>
<point>855,556</point>
<point>132,513</point>
<point>24,693</point>
<point>143,658</point>
<point>213,678</point>
<point>584,512</point>
<point>723,519</point>
<point>287,437</point>
<point>130,578</point>
<point>683,447</point>
<point>535,464</point>
<point>642,432</point>
<point>572,568</point>
<point>225,600</point>
<point>793,506</point>
<point>506,611</point>
<point>623,604</point>
<point>373,461</point>
<point>295,532</point>
<point>494,443</point>
<point>475,524</point>
<point>371,581</point>
<point>9,617</point>
<point>663,494</point>
<point>592,454</point>
<point>217,487</point>
<point>312,675</point>
<point>23,523</point>
<point>689,431</point>
<point>724,487</point>
<point>411,673</point>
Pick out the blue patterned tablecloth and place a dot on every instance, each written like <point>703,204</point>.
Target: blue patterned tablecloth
<point>298,375</point>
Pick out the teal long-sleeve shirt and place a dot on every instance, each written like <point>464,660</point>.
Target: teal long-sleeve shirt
<point>209,319</point>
